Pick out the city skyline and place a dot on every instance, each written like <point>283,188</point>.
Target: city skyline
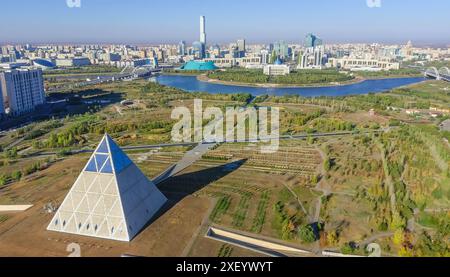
<point>141,22</point>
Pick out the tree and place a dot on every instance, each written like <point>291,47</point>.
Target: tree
<point>399,237</point>
<point>307,234</point>
<point>3,180</point>
<point>398,222</point>
<point>348,248</point>
<point>332,238</point>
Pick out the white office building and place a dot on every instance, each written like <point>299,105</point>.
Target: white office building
<point>312,58</point>
<point>22,90</point>
<point>265,56</point>
<point>77,61</point>
<point>357,64</point>
<point>276,69</point>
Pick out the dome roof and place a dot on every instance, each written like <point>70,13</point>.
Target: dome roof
<point>43,63</point>
<point>201,66</point>
<point>278,61</point>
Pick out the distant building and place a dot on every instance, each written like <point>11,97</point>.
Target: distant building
<point>182,48</point>
<point>312,41</point>
<point>43,64</point>
<point>312,58</point>
<point>78,61</point>
<point>265,56</point>
<point>23,90</point>
<point>241,48</point>
<point>281,49</point>
<point>140,62</point>
<point>231,62</point>
<point>199,66</point>
<point>111,57</point>
<point>198,50</point>
<point>356,64</point>
<point>203,30</point>
<point>276,69</point>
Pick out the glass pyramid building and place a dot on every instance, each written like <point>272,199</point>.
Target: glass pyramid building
<point>111,199</point>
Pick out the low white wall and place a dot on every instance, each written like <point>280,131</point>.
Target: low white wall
<point>14,208</point>
<point>257,242</point>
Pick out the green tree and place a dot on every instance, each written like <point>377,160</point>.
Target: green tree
<point>3,180</point>
<point>307,234</point>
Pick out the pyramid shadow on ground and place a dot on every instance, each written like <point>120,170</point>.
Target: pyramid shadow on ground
<point>180,186</point>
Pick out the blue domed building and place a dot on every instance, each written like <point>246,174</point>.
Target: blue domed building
<point>44,64</point>
<point>199,66</point>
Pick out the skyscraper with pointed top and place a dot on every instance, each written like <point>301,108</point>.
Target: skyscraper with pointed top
<point>203,30</point>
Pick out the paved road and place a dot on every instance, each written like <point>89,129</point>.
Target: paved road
<point>189,158</point>
<point>376,237</point>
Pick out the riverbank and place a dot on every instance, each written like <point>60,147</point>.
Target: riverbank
<point>206,79</point>
<point>356,80</point>
<point>193,84</point>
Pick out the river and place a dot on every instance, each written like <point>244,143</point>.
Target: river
<point>191,84</point>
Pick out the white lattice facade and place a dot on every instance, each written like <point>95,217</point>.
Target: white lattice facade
<point>111,199</point>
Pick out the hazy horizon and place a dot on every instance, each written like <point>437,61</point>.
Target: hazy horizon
<point>258,21</point>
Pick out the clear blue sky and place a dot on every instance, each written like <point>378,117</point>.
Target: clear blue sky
<point>160,21</point>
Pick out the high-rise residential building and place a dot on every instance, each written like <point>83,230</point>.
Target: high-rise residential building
<point>318,56</point>
<point>281,49</point>
<point>241,48</point>
<point>182,48</point>
<point>23,90</point>
<point>309,40</point>
<point>203,30</point>
<point>265,56</point>
<point>312,41</point>
<point>312,58</point>
<point>198,50</point>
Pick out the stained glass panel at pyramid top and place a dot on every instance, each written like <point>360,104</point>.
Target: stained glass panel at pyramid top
<point>103,147</point>
<point>101,159</point>
<point>91,166</point>
<point>107,168</point>
<point>119,158</point>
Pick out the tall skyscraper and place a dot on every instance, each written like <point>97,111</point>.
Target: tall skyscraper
<point>198,49</point>
<point>265,56</point>
<point>241,48</point>
<point>203,30</point>
<point>318,56</point>
<point>182,48</point>
<point>281,49</point>
<point>23,89</point>
<point>312,41</point>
